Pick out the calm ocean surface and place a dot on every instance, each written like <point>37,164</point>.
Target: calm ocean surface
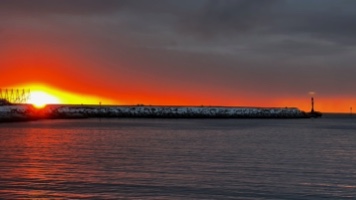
<point>179,159</point>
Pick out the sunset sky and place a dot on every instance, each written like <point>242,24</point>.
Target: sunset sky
<point>183,52</point>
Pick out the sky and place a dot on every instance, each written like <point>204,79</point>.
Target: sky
<point>169,52</point>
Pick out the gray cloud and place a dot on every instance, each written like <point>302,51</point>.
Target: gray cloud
<point>78,7</point>
<point>228,17</point>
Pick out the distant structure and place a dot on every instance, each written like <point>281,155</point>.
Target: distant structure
<point>13,96</point>
<point>313,113</point>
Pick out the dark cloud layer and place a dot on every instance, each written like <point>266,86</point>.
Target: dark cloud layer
<point>77,7</point>
<point>280,47</point>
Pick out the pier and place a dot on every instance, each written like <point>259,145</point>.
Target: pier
<point>28,112</point>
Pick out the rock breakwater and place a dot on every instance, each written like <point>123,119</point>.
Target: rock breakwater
<point>28,112</point>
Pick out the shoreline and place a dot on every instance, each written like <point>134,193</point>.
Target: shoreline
<point>25,112</point>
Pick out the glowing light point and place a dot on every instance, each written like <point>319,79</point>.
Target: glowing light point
<point>40,99</point>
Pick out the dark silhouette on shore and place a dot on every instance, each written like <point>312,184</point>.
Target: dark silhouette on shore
<point>28,112</point>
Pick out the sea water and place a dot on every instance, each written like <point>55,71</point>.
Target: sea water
<point>179,159</point>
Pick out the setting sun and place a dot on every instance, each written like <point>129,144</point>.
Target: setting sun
<point>40,99</point>
<point>42,95</point>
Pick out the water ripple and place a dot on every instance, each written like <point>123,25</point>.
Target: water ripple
<point>178,159</point>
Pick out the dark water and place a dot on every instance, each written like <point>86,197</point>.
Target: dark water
<point>179,159</point>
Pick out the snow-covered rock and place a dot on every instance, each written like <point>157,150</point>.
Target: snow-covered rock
<point>27,112</point>
<point>18,113</point>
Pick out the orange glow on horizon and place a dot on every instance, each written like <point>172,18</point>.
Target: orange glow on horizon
<point>42,95</point>
<point>323,104</point>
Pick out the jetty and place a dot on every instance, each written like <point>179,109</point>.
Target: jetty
<point>25,112</point>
